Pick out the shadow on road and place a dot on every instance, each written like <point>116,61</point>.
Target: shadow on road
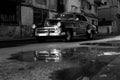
<point>15,43</point>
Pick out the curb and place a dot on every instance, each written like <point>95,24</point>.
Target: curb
<point>14,40</point>
<point>109,72</point>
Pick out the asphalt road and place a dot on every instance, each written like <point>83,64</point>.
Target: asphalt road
<point>15,43</point>
<point>81,56</point>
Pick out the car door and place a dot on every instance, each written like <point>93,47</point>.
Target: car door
<point>77,28</point>
<point>83,23</point>
<point>82,27</point>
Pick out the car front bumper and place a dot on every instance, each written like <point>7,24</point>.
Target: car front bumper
<point>50,35</point>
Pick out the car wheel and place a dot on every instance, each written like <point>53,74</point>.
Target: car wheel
<point>68,36</point>
<point>91,36</point>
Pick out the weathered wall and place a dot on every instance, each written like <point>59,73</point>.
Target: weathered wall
<point>26,31</point>
<point>15,32</point>
<point>52,5</point>
<point>93,7</point>
<point>40,3</point>
<point>95,20</point>
<point>73,6</point>
<point>26,15</point>
<point>9,32</point>
<point>103,29</point>
<point>107,13</point>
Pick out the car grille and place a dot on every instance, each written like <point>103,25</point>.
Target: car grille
<point>41,30</point>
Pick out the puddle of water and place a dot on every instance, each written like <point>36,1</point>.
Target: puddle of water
<point>81,54</point>
<point>90,60</point>
<point>30,56</point>
<point>23,56</point>
<point>50,55</point>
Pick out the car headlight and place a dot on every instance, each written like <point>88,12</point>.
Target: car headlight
<point>59,24</point>
<point>33,26</point>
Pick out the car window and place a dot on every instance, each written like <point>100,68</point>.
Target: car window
<point>79,17</point>
<point>57,16</point>
<point>67,16</point>
<point>50,22</point>
<point>83,18</point>
<point>64,16</point>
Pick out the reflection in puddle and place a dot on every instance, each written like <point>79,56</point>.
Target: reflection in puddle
<point>56,55</point>
<point>50,55</point>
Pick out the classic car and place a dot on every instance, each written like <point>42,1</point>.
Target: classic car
<point>66,26</point>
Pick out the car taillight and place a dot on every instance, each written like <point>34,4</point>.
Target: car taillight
<point>59,24</point>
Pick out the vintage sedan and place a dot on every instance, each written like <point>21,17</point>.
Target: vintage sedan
<point>65,28</point>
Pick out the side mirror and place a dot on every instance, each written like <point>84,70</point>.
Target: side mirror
<point>77,19</point>
<point>33,26</point>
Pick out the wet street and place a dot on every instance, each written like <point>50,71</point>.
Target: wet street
<point>85,60</point>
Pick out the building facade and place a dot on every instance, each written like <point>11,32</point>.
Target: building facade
<point>86,7</point>
<point>9,19</point>
<point>109,14</point>
<point>73,6</point>
<point>89,9</point>
<point>18,16</point>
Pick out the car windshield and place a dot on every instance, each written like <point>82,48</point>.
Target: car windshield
<point>84,19</point>
<point>65,16</point>
<point>51,22</point>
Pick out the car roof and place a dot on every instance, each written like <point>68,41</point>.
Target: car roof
<point>74,13</point>
<point>65,19</point>
<point>59,19</point>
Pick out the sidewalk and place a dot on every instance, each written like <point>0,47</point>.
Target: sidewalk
<point>109,72</point>
<point>112,70</point>
<point>100,36</point>
<point>104,38</point>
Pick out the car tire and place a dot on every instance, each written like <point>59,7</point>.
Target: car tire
<point>91,36</point>
<point>68,36</point>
